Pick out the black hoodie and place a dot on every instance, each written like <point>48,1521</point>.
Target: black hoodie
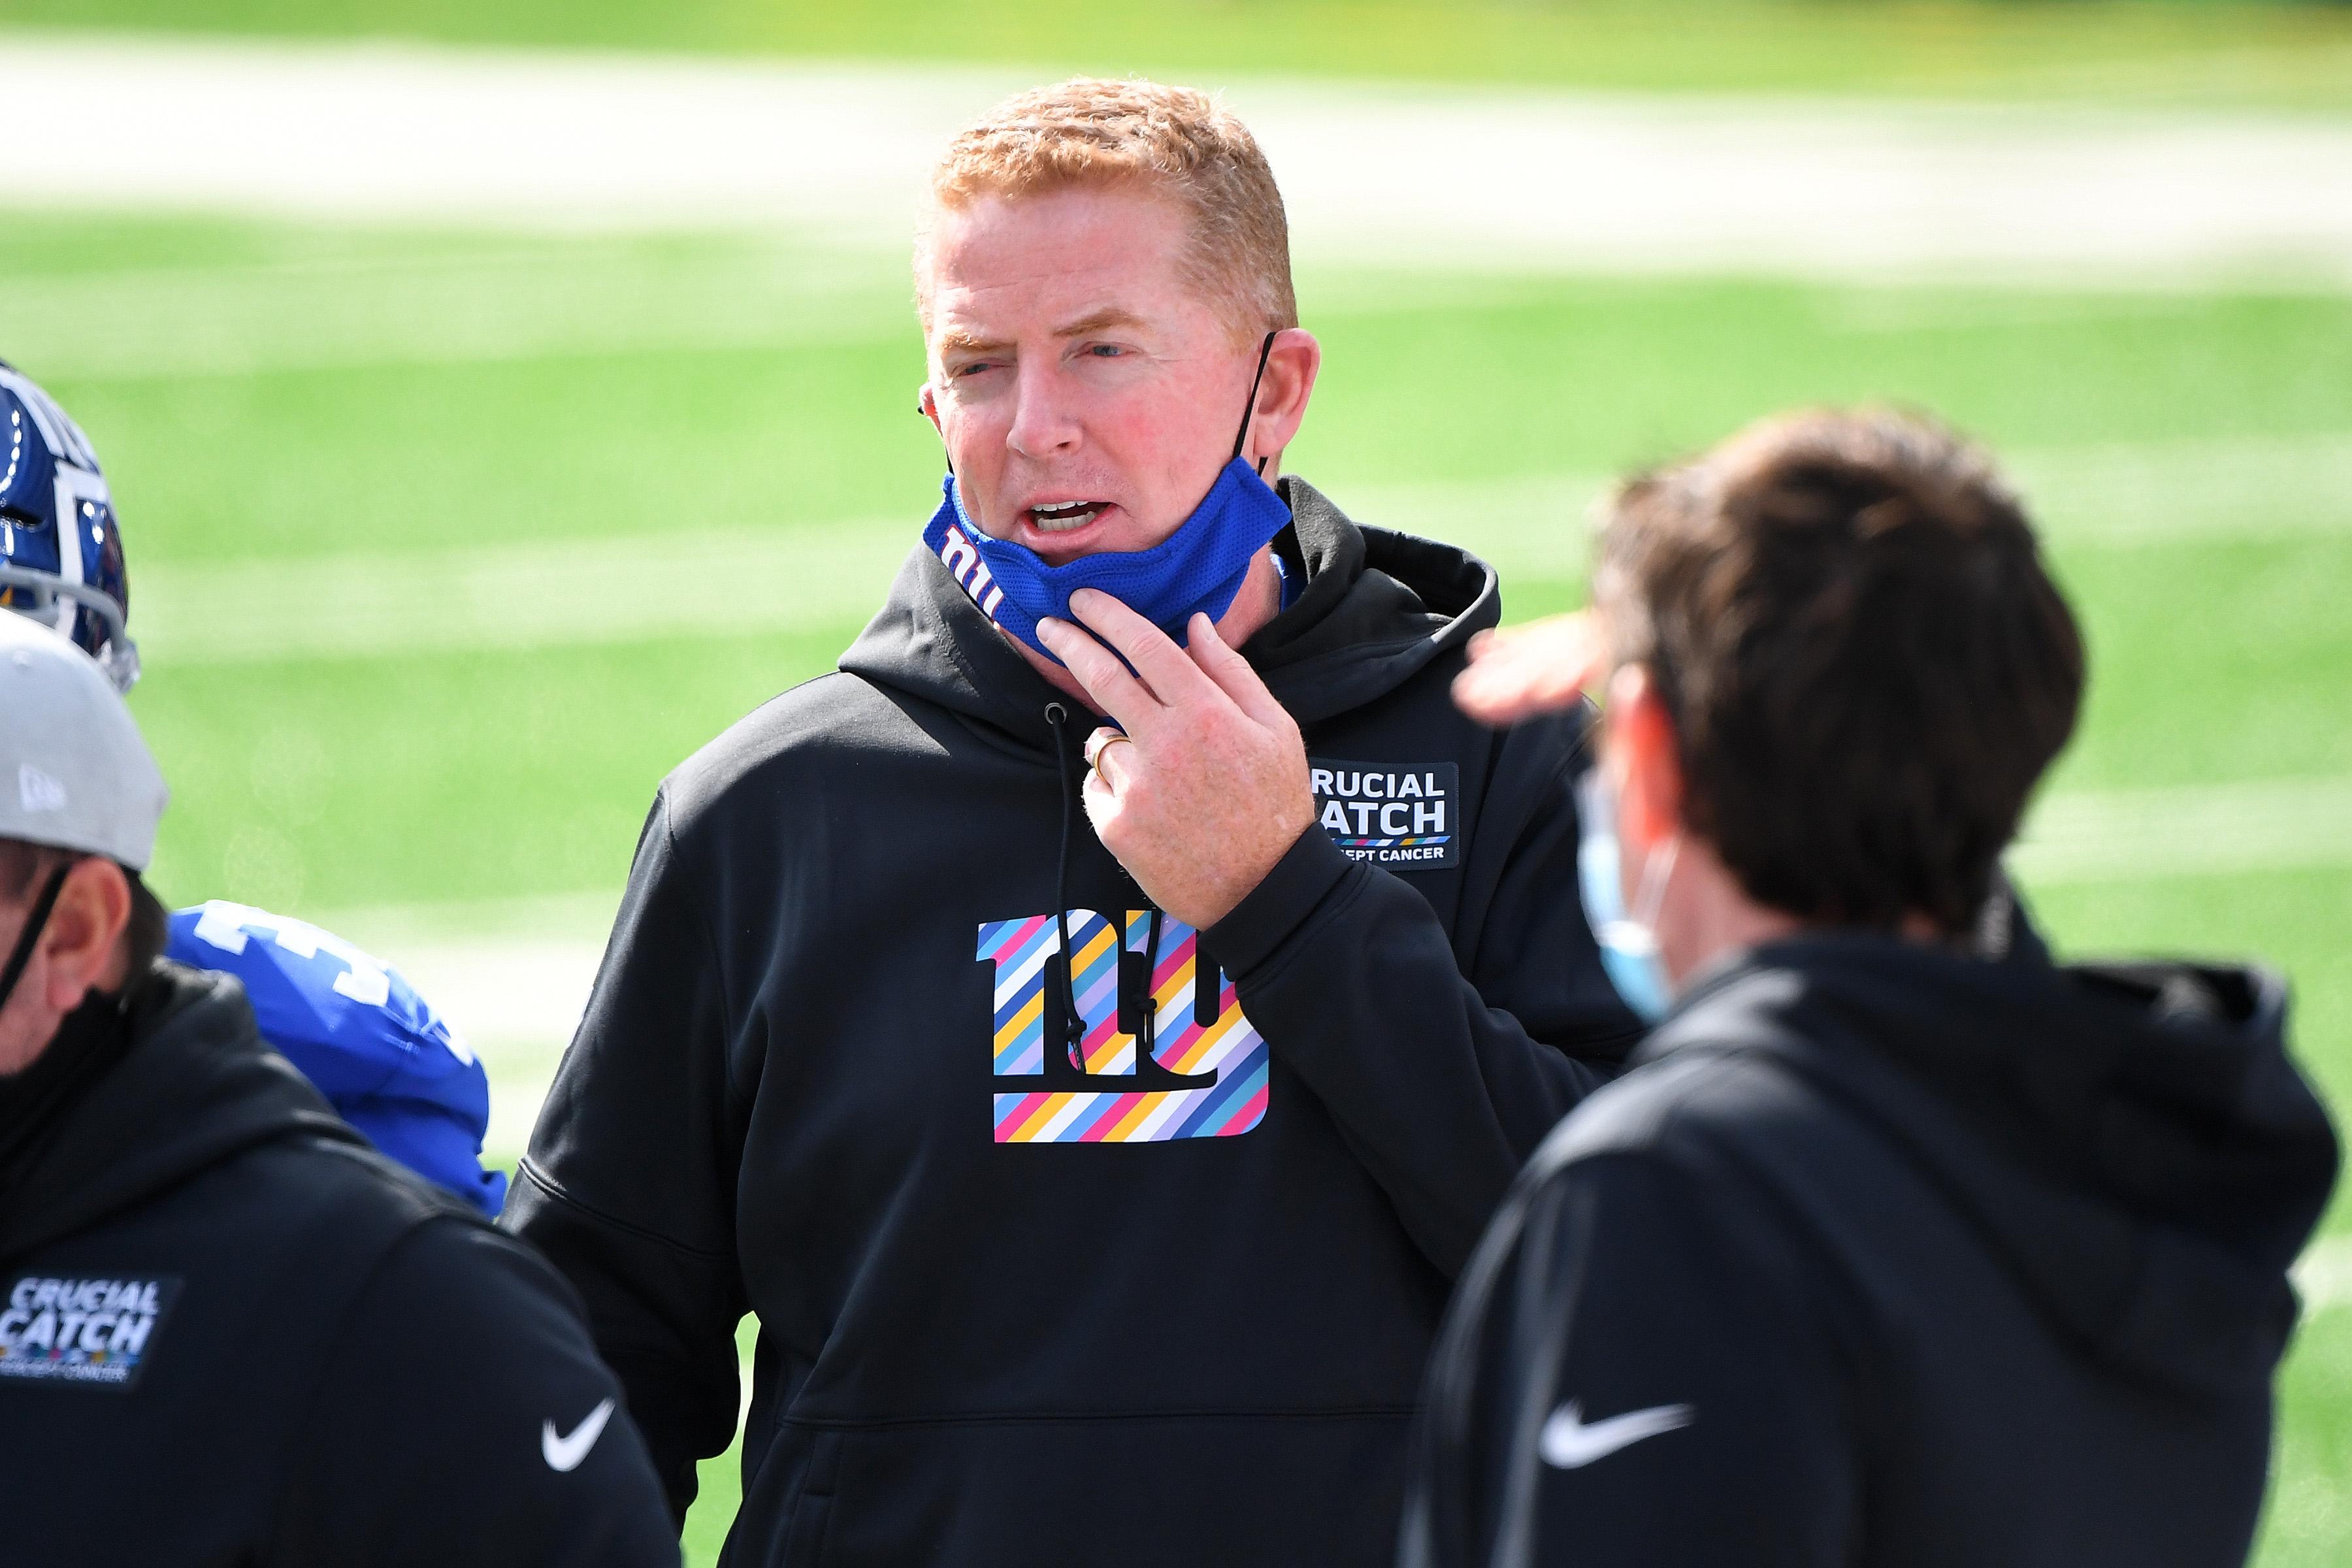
<point>232,1333</point>
<point>1010,1311</point>
<point>1887,1255</point>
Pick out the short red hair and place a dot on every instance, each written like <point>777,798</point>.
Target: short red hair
<point>1167,140</point>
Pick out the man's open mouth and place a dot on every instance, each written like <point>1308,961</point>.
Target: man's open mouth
<point>1061,517</point>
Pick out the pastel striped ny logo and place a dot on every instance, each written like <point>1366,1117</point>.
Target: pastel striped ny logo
<point>1165,1055</point>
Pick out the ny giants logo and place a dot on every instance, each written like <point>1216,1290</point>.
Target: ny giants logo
<point>1164,1052</point>
<point>971,573</point>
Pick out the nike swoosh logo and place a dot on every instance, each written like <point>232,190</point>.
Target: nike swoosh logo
<point>565,1453</point>
<point>1568,1443</point>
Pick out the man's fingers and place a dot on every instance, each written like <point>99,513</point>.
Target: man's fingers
<point>1539,668</point>
<point>1101,803</point>
<point>1499,692</point>
<point>1234,676</point>
<point>1106,680</point>
<point>1173,679</point>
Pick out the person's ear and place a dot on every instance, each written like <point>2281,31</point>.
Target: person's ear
<point>928,407</point>
<point>1291,367</point>
<point>79,947</point>
<point>1648,759</point>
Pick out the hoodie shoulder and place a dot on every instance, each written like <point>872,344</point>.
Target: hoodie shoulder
<point>794,743</point>
<point>1687,1110</point>
<point>197,1097</point>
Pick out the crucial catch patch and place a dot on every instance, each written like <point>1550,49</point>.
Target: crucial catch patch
<point>85,1329</point>
<point>1402,817</point>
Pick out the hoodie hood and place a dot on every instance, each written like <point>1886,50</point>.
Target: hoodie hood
<point>2132,1141</point>
<point>1375,607</point>
<point>194,1084</point>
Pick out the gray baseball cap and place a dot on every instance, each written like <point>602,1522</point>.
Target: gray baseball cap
<point>74,773</point>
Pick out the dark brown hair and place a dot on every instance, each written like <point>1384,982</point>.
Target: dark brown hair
<point>1866,664</point>
<point>23,866</point>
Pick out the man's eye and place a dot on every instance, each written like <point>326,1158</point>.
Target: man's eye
<point>965,372</point>
<point>1105,351</point>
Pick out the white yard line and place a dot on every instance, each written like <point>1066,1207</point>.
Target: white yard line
<point>1450,177</point>
<point>2198,830</point>
<point>1533,527</point>
<point>830,577</point>
<point>514,975</point>
<point>557,594</point>
<point>452,305</point>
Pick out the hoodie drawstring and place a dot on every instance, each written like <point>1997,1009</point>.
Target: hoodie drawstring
<point>1071,1032</point>
<point>1138,1007</point>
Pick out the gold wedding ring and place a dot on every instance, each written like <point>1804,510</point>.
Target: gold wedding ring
<point>1096,749</point>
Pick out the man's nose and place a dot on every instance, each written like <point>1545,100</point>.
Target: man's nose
<point>1044,419</point>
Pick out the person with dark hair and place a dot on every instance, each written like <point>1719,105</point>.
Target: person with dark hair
<point>229,1330</point>
<point>1882,1253</point>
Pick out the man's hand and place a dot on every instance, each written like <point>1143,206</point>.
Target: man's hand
<point>1538,667</point>
<point>1207,787</point>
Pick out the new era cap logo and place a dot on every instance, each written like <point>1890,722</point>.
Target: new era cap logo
<point>36,791</point>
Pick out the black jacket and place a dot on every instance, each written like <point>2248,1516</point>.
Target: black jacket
<point>1886,1255</point>
<point>231,1333</point>
<point>812,1083</point>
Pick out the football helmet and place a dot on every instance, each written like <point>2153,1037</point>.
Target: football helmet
<point>60,552</point>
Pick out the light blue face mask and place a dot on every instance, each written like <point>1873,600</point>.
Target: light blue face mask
<point>1629,943</point>
<point>1197,570</point>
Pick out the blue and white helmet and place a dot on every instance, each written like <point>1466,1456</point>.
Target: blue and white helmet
<point>60,554</point>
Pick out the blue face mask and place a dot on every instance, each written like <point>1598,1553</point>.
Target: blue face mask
<point>1629,943</point>
<point>1197,570</point>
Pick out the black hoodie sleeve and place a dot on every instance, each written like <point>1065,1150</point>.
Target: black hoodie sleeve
<point>628,1188</point>
<point>1621,1381</point>
<point>463,1421</point>
<point>1443,1059</point>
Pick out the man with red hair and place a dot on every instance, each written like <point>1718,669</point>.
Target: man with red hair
<point>1088,1217</point>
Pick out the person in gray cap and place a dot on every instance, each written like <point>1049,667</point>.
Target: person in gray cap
<point>78,817</point>
<point>365,1038</point>
<point>215,1298</point>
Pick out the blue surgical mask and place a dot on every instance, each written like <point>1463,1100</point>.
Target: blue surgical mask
<point>1197,570</point>
<point>1629,943</point>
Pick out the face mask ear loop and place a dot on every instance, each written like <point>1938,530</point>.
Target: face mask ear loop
<point>1241,436</point>
<point>35,922</point>
<point>1654,878</point>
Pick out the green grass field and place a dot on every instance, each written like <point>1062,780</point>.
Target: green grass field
<point>445,546</point>
<point>2201,51</point>
<point>430,774</point>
